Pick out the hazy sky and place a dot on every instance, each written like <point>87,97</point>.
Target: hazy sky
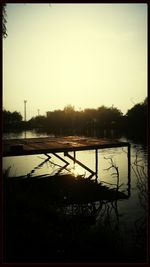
<point>86,55</point>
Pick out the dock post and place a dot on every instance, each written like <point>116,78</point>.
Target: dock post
<point>96,164</point>
<point>74,155</point>
<point>129,169</point>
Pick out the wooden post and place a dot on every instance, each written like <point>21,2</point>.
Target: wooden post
<point>74,155</point>
<point>129,169</point>
<point>96,164</point>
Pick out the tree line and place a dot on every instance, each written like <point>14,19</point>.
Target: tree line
<point>94,122</point>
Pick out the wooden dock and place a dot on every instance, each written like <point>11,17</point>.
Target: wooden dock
<point>56,145</point>
<point>32,146</point>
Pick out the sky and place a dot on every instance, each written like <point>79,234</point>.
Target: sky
<point>84,55</point>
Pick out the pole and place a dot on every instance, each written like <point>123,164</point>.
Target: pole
<point>96,164</point>
<point>25,102</point>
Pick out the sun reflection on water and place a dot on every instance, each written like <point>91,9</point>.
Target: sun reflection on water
<point>77,170</point>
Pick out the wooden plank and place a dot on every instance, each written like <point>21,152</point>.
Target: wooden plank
<point>44,145</point>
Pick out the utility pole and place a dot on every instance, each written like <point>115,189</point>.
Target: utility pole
<point>38,112</point>
<point>25,102</point>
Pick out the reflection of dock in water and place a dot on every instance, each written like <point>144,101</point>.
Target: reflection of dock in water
<point>55,145</point>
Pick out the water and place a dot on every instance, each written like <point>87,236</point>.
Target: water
<point>130,210</point>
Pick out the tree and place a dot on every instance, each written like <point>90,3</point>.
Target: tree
<point>145,102</point>
<point>136,118</point>
<point>137,113</point>
<point>37,122</point>
<point>11,119</point>
<point>108,115</point>
<point>69,109</point>
<point>4,21</point>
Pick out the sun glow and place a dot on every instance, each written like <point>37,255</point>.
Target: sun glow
<point>77,170</point>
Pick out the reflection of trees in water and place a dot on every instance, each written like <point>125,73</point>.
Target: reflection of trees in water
<point>108,214</point>
<point>140,171</point>
<point>94,226</point>
<point>93,212</point>
<point>104,211</point>
<point>77,232</point>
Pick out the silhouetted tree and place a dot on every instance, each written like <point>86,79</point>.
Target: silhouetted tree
<point>4,21</point>
<point>138,113</point>
<point>69,109</point>
<point>103,121</point>
<point>137,119</point>
<point>37,122</point>
<point>11,119</point>
<point>145,102</point>
<point>108,115</point>
<point>86,122</point>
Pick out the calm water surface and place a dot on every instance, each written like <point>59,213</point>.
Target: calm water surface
<point>130,210</point>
